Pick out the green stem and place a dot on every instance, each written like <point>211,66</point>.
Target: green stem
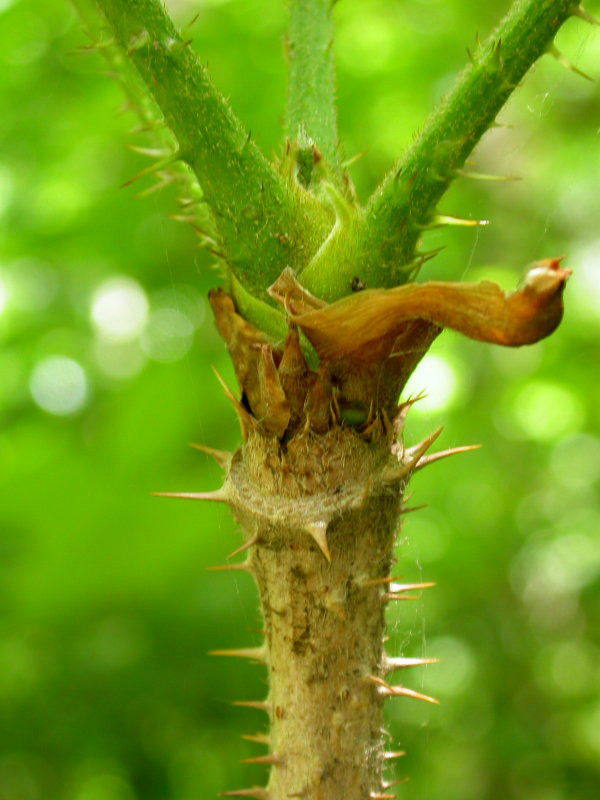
<point>311,108</point>
<point>385,238</point>
<point>262,224</point>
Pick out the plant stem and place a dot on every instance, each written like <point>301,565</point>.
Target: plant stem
<point>261,223</point>
<point>324,620</point>
<point>311,108</point>
<point>383,240</point>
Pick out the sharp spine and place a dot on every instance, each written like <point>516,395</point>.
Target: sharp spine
<point>392,663</point>
<point>258,738</point>
<point>243,567</point>
<point>259,705</point>
<point>253,653</point>
<point>389,755</point>
<point>318,531</point>
<point>415,454</point>
<point>448,219</point>
<point>246,420</point>
<point>389,784</point>
<point>562,59</point>
<point>222,457</point>
<point>482,176</point>
<point>453,451</point>
<point>381,796</point>
<point>218,496</point>
<point>246,546</point>
<point>385,690</point>
<point>271,759</point>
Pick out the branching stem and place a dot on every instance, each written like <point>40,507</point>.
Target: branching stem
<point>382,242</point>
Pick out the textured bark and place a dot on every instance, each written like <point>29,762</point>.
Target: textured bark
<point>324,617</point>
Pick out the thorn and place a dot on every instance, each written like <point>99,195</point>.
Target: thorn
<point>353,159</point>
<point>151,152</point>
<point>318,531</point>
<point>447,219</point>
<point>385,690</point>
<point>219,496</point>
<point>389,784</point>
<point>259,738</point>
<point>243,567</point>
<point>482,176</point>
<point>257,704</point>
<point>562,59</point>
<point>375,582</point>
<point>389,755</point>
<point>246,420</point>
<point>423,446</point>
<point>156,167</point>
<point>271,758</point>
<point>410,509</point>
<point>390,664</point>
<point>387,598</point>
<point>253,653</point>
<point>256,791</point>
<point>222,457</point>
<point>381,796</point>
<point>165,179</point>
<point>410,587</point>
<point>453,451</point>
<point>415,454</point>
<point>583,14</point>
<point>246,546</point>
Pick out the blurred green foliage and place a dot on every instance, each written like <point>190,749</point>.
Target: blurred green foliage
<point>106,690</point>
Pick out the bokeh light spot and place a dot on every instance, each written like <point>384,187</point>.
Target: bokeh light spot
<point>59,385</point>
<point>439,379</point>
<point>546,410</point>
<point>119,309</point>
<point>169,335</point>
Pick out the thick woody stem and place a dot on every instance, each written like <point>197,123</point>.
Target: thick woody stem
<point>323,522</point>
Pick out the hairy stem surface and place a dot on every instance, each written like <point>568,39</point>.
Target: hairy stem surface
<point>324,613</point>
<point>311,108</point>
<point>383,240</point>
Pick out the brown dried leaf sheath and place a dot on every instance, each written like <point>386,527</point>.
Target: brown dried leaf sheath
<point>359,324</point>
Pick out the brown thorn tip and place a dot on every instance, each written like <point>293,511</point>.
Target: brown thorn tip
<point>410,587</point>
<point>453,451</point>
<point>259,738</point>
<point>222,457</point>
<point>259,705</point>
<point>391,754</point>
<point>381,796</point>
<point>385,690</point>
<point>253,653</point>
<point>243,567</point>
<point>389,784</point>
<point>390,664</point>
<point>246,546</point>
<point>272,758</point>
<point>256,791</point>
<point>218,496</point>
<point>318,531</point>
<point>414,455</point>
<point>410,509</point>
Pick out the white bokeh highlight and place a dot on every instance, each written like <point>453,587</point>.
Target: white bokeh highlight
<point>119,309</point>
<point>59,385</point>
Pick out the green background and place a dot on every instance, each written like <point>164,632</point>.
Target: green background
<point>106,688</point>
